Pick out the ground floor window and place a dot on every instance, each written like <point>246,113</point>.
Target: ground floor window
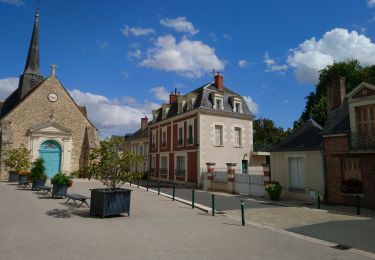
<point>163,165</point>
<point>351,169</point>
<point>296,173</point>
<point>180,166</point>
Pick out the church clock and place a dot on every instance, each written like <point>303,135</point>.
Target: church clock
<point>52,97</point>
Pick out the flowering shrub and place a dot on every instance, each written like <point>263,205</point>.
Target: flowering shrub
<point>274,190</point>
<point>23,172</point>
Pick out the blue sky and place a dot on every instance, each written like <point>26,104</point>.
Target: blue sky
<point>121,58</point>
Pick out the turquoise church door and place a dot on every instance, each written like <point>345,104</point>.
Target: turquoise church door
<point>50,152</point>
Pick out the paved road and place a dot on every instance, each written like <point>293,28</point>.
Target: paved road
<point>350,231</point>
<point>34,226</point>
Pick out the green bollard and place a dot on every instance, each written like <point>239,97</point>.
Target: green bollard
<point>192,198</point>
<point>243,212</point>
<point>173,192</point>
<point>213,204</point>
<point>158,187</point>
<point>318,201</point>
<point>147,185</point>
<point>358,207</point>
<point>138,183</point>
<point>130,183</point>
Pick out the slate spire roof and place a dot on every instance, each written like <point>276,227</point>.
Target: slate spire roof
<point>307,137</point>
<point>32,61</point>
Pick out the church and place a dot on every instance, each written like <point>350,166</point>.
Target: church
<point>42,116</point>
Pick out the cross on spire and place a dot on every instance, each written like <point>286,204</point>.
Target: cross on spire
<point>53,69</point>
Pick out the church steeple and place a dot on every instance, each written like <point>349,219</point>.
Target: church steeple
<point>31,75</point>
<point>32,62</point>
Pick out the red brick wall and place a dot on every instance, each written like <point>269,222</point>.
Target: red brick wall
<point>169,133</point>
<point>336,149</point>
<point>175,129</point>
<point>192,167</point>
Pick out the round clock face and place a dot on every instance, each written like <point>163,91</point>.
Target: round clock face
<point>52,97</point>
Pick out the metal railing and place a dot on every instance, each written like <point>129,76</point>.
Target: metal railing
<point>163,170</point>
<point>362,141</point>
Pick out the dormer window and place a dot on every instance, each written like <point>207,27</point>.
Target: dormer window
<point>237,104</point>
<point>181,104</point>
<point>165,111</point>
<point>218,101</point>
<point>155,115</point>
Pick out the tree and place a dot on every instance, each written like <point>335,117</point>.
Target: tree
<point>18,159</point>
<point>354,74</point>
<point>266,133</point>
<point>112,167</point>
<point>38,171</point>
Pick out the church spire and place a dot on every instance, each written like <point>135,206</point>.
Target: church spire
<point>31,75</point>
<point>32,62</point>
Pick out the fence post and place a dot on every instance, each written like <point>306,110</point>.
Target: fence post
<point>231,173</point>
<point>213,204</point>
<point>210,174</point>
<point>158,187</point>
<point>243,212</point>
<point>173,192</point>
<point>192,198</point>
<point>138,183</point>
<point>130,182</point>
<point>318,201</point>
<point>358,207</point>
<point>147,185</point>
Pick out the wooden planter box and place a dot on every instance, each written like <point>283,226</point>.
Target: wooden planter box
<point>22,179</point>
<point>37,184</point>
<point>110,202</point>
<point>59,190</point>
<point>13,176</point>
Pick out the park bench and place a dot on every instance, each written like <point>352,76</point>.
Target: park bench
<point>77,197</point>
<point>44,188</point>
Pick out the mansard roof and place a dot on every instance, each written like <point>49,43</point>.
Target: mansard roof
<point>205,100</point>
<point>139,134</point>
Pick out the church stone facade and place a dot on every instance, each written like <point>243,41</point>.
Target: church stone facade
<point>42,116</point>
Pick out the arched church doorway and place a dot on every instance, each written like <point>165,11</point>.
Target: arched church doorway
<point>50,152</point>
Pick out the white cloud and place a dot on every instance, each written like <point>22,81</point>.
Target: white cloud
<point>243,63</point>
<point>137,53</point>
<point>125,74</point>
<point>213,36</point>
<point>272,65</point>
<point>179,24</point>
<point>103,45</point>
<point>7,86</point>
<point>371,3</point>
<point>227,36</point>
<point>251,104</point>
<point>336,45</point>
<point>17,3</point>
<point>136,31</point>
<point>113,116</point>
<point>188,58</point>
<point>160,93</point>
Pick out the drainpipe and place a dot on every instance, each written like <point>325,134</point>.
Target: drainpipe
<point>324,172</point>
<point>197,138</point>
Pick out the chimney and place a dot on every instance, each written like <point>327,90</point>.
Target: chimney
<point>144,122</point>
<point>219,81</point>
<point>335,93</point>
<point>173,96</point>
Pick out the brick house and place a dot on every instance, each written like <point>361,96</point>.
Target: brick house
<point>349,141</point>
<point>209,124</point>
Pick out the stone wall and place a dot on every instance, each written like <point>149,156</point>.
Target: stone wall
<point>37,109</point>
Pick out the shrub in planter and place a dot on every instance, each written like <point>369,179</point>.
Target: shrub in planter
<point>60,183</point>
<point>38,174</point>
<point>274,190</point>
<point>113,169</point>
<point>351,186</point>
<point>23,176</point>
<point>17,159</point>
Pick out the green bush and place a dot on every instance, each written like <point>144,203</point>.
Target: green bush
<point>274,190</point>
<point>62,179</point>
<point>38,171</point>
<point>18,159</point>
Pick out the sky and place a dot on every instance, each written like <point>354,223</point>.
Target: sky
<point>121,59</point>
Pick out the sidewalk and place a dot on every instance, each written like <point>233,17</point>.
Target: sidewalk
<point>336,224</point>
